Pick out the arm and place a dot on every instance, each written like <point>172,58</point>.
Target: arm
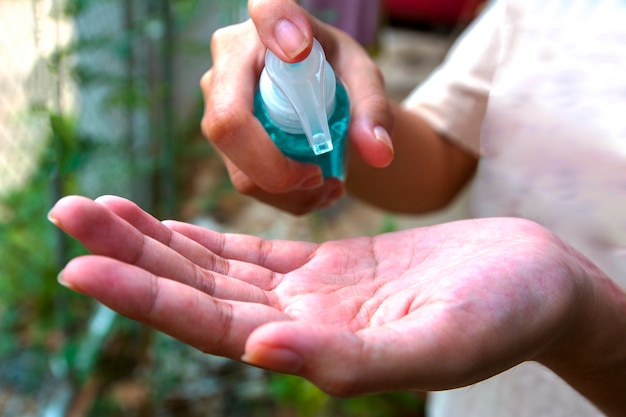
<point>430,167</point>
<point>591,355</point>
<point>426,173</point>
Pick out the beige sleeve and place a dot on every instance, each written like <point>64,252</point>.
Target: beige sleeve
<point>454,98</point>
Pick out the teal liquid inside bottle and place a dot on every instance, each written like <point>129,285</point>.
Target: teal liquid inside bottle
<point>296,146</point>
<point>305,110</point>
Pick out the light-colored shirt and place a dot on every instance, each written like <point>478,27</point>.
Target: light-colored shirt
<point>537,88</point>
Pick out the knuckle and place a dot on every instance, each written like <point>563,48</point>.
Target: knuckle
<point>380,103</point>
<point>369,66</point>
<point>277,184</point>
<point>221,36</point>
<point>284,201</point>
<point>241,34</point>
<point>206,80</point>
<point>257,7</point>
<point>345,386</point>
<point>221,121</point>
<point>243,184</point>
<point>377,72</point>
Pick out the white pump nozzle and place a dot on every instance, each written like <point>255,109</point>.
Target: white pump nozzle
<point>307,89</point>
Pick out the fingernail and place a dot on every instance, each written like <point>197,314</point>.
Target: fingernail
<point>62,281</point>
<point>274,358</point>
<point>381,134</point>
<point>290,38</point>
<point>51,218</point>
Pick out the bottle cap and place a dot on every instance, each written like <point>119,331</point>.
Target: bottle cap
<point>300,97</point>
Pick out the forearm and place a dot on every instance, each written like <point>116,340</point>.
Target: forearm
<point>426,173</point>
<point>592,355</point>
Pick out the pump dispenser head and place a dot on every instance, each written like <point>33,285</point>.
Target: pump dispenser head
<point>300,97</point>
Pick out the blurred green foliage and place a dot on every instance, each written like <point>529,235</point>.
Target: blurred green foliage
<point>306,400</point>
<point>33,250</point>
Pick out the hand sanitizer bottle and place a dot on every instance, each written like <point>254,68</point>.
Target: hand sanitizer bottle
<point>305,109</point>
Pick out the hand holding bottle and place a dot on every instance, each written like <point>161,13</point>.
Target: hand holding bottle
<point>256,166</point>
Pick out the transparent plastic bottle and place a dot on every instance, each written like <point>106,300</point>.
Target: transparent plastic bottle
<point>305,109</point>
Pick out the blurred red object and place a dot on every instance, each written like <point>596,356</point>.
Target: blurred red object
<point>446,12</point>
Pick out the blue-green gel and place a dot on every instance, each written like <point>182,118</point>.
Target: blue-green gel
<point>296,146</point>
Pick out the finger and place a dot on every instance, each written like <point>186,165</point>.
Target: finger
<point>300,202</point>
<point>372,117</point>
<point>193,242</point>
<point>305,201</point>
<point>378,359</point>
<point>228,254</point>
<point>229,123</point>
<point>338,361</point>
<point>372,122</point>
<point>211,325</point>
<point>138,218</point>
<point>283,27</point>
<point>276,255</point>
<point>275,347</point>
<point>309,195</point>
<point>152,227</point>
<point>104,233</point>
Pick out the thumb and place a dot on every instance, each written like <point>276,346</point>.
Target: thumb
<point>324,355</point>
<point>283,27</point>
<point>338,361</point>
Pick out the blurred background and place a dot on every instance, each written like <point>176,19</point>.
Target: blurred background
<point>102,97</point>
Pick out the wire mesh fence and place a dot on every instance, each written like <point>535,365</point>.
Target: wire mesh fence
<point>30,34</point>
<point>117,45</point>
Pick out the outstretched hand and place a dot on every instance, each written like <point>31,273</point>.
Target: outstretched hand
<point>429,308</point>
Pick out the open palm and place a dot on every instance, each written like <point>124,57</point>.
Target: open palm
<point>427,308</point>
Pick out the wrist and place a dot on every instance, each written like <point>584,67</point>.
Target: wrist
<point>590,354</point>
